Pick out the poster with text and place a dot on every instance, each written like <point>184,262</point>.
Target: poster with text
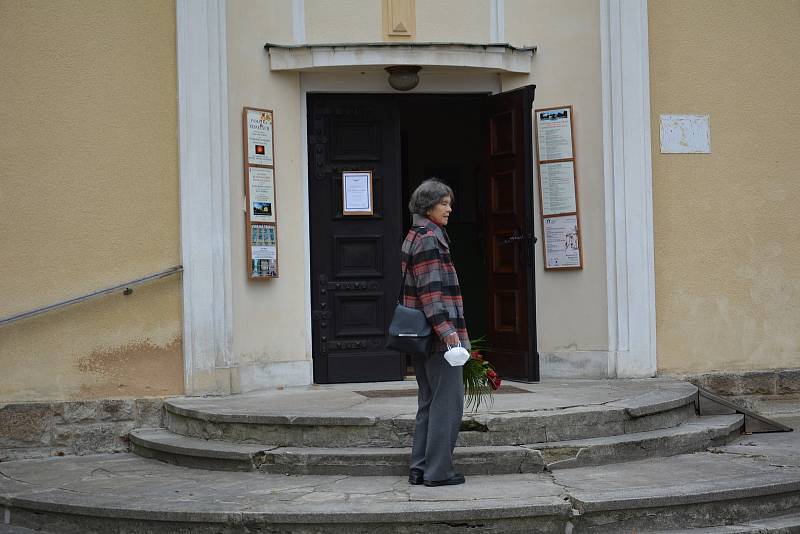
<point>562,249</point>
<point>262,195</point>
<point>263,250</point>
<point>554,133</point>
<point>558,188</point>
<point>357,191</point>
<point>259,137</point>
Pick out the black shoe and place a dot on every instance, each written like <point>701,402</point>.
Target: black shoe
<point>452,481</point>
<point>415,477</point>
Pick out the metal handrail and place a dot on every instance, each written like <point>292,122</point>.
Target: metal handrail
<point>126,287</point>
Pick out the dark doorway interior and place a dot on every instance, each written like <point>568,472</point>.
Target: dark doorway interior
<point>480,145</point>
<point>443,136</point>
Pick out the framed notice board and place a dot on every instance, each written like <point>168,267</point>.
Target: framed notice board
<point>357,193</point>
<point>261,219</point>
<point>558,191</point>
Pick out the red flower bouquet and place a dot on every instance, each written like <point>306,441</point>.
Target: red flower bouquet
<point>480,378</point>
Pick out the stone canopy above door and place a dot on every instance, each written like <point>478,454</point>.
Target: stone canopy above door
<point>494,58</point>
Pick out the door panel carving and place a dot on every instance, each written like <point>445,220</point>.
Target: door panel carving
<point>355,140</point>
<point>503,133</point>
<point>359,314</point>
<point>504,193</point>
<point>506,256</point>
<point>506,304</point>
<point>358,256</point>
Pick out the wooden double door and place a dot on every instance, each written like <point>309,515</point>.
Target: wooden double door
<point>355,273</point>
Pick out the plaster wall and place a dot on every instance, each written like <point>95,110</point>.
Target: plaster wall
<point>343,21</point>
<point>269,316</point>
<point>361,21</point>
<point>726,232</point>
<point>453,21</point>
<point>572,315</point>
<point>89,189</point>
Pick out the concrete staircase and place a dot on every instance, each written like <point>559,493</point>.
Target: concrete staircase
<point>565,456</point>
<point>213,437</point>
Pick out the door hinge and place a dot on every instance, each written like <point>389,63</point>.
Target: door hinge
<point>320,315</point>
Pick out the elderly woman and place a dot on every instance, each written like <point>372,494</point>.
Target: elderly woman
<point>433,288</point>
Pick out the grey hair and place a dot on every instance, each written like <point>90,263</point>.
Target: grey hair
<point>427,195</point>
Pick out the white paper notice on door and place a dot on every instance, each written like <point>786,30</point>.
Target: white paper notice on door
<point>558,187</point>
<point>554,133</point>
<point>357,193</point>
<point>562,249</point>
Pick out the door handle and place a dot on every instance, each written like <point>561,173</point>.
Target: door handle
<point>512,239</point>
<point>519,237</point>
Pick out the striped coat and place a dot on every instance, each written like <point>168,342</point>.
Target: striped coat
<point>432,283</point>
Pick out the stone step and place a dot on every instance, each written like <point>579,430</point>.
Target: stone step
<point>784,524</point>
<point>693,435</point>
<point>690,436</point>
<point>126,493</point>
<point>11,529</point>
<point>330,417</point>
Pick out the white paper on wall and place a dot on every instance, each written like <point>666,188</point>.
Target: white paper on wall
<point>685,134</point>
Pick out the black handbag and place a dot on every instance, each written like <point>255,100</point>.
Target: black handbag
<point>409,332</point>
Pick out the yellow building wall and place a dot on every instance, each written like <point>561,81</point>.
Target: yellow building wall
<point>89,195</point>
<point>727,257</point>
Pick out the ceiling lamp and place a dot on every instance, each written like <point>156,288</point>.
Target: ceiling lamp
<point>403,77</point>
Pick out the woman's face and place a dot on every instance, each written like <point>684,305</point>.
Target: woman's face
<point>441,212</point>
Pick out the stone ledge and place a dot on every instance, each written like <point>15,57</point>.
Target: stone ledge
<point>40,429</point>
<point>765,382</point>
<point>493,57</point>
<point>10,529</point>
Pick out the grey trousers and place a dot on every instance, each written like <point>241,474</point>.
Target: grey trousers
<point>440,407</point>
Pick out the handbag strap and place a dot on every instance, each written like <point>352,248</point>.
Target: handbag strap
<point>408,263</point>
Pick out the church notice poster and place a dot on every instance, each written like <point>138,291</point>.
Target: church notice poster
<point>558,187</point>
<point>357,193</point>
<point>259,136</point>
<point>262,195</point>
<point>554,133</point>
<point>562,247</point>
<point>261,218</point>
<point>263,251</point>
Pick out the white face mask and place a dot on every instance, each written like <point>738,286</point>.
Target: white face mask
<point>457,355</point>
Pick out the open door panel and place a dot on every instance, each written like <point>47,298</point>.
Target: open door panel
<point>509,229</point>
